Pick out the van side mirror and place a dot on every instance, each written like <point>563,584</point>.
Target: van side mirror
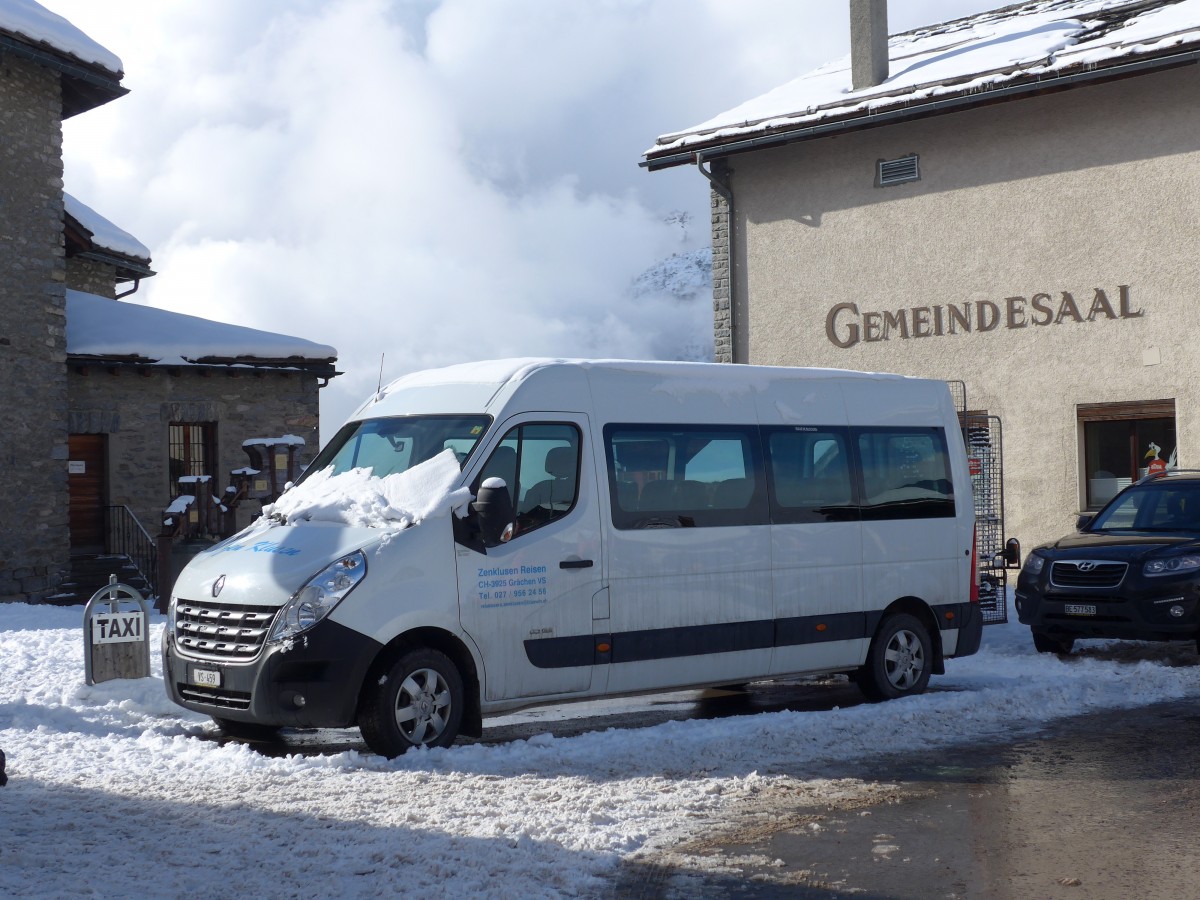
<point>1012,554</point>
<point>494,507</point>
<point>1082,522</point>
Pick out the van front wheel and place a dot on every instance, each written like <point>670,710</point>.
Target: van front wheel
<point>898,663</point>
<point>417,702</point>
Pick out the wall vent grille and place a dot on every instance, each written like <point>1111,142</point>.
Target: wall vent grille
<point>897,171</point>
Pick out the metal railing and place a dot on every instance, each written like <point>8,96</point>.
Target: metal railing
<point>127,537</point>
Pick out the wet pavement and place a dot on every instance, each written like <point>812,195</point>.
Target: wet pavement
<point>1096,807</point>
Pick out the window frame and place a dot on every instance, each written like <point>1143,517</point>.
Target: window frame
<point>207,445</point>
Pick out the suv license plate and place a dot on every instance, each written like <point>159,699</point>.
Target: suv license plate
<point>206,677</point>
<point>1079,609</point>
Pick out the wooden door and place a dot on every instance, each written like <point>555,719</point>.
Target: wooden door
<point>89,491</point>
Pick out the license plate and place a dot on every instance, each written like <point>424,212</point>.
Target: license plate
<point>206,677</point>
<point>1079,609</point>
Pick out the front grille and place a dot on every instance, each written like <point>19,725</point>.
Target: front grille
<point>223,632</point>
<point>215,696</point>
<point>1087,573</point>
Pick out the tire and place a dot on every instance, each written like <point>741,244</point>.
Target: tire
<point>900,660</point>
<point>246,731</point>
<point>1043,643</point>
<point>417,702</point>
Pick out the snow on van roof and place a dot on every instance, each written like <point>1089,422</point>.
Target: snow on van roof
<point>358,498</point>
<point>504,371</point>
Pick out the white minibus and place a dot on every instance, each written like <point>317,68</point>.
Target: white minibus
<point>495,535</point>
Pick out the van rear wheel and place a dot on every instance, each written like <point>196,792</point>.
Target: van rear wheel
<point>898,663</point>
<point>417,702</point>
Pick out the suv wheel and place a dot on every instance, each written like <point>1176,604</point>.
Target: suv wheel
<point>1043,643</point>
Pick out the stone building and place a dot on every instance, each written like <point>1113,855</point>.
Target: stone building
<point>104,402</point>
<point>1006,200</point>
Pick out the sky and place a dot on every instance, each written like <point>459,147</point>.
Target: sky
<point>426,182</point>
<point>149,803</point>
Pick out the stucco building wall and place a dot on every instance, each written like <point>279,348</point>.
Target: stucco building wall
<point>34,542</point>
<point>1092,189</point>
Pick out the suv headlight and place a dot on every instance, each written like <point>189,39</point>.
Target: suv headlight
<point>1172,565</point>
<point>1034,564</point>
<point>316,600</point>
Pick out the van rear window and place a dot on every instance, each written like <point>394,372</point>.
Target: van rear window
<point>905,473</point>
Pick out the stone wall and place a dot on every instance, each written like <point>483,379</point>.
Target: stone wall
<point>722,313</point>
<point>92,277</point>
<point>135,406</point>
<point>34,541</point>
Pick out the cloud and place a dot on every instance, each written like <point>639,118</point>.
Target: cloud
<point>434,181</point>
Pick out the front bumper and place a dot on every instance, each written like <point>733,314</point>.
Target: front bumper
<point>312,683</point>
<point>1138,609</point>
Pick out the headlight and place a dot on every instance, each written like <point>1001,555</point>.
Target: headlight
<point>1034,563</point>
<point>316,600</point>
<point>1173,565</point>
<point>170,628</point>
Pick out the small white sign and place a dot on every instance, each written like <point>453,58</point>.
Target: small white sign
<point>76,467</point>
<point>118,628</point>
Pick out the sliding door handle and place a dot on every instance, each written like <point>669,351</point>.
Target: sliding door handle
<point>575,564</point>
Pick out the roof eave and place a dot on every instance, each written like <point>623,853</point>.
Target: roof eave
<point>84,87</point>
<point>325,368</point>
<point>708,150</point>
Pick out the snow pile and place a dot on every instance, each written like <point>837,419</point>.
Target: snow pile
<point>360,499</point>
<point>138,789</point>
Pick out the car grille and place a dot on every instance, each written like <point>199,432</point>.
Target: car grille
<point>215,696</point>
<point>221,631</point>
<point>1089,573</point>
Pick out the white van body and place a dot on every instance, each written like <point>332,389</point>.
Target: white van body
<point>715,524</point>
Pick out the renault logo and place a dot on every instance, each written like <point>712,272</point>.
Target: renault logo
<point>1085,566</point>
<point>217,585</point>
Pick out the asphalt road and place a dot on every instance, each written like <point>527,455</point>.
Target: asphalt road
<point>1096,807</point>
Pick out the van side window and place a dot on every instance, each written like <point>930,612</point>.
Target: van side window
<point>540,465</point>
<point>810,475</point>
<point>684,476</point>
<point>905,473</point>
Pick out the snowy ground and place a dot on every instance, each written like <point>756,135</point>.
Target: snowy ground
<point>114,791</point>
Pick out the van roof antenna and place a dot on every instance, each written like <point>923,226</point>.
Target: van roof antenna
<point>379,389</point>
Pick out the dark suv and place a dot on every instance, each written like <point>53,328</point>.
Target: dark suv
<point>1131,571</point>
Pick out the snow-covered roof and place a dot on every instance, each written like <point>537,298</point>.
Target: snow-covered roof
<point>103,233</point>
<point>91,73</point>
<point>1026,47</point>
<point>116,330</point>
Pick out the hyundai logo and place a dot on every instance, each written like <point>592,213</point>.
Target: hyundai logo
<point>217,585</point>
<point>1085,566</point>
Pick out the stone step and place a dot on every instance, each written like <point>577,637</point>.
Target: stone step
<point>90,573</point>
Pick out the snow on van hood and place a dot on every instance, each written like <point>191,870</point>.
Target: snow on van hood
<point>359,499</point>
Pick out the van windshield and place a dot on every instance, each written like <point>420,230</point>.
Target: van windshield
<point>396,444</point>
